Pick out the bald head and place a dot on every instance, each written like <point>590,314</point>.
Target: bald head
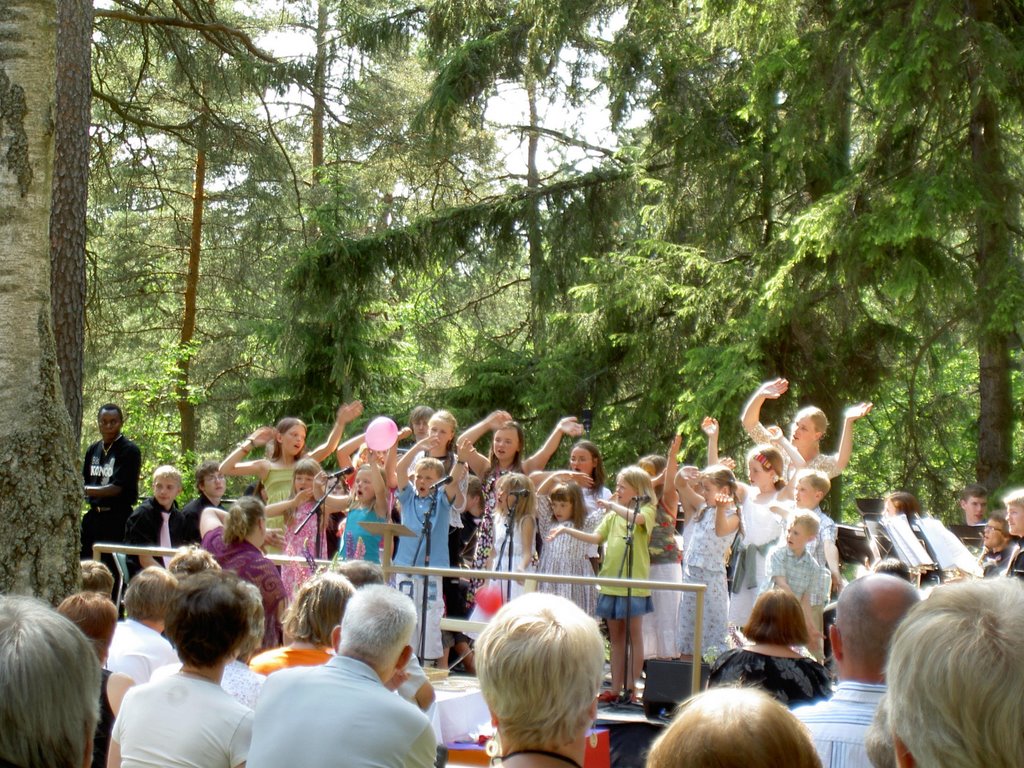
<point>867,615</point>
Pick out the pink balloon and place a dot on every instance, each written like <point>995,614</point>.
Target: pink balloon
<point>381,434</point>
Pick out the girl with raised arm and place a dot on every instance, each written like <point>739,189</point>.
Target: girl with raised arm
<point>285,445</point>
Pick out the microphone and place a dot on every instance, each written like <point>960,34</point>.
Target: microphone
<point>588,419</point>
<point>519,494</point>
<point>441,483</point>
<point>340,473</point>
<point>641,499</point>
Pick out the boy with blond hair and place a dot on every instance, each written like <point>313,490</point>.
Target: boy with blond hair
<point>156,522</point>
<point>1014,503</point>
<point>792,568</point>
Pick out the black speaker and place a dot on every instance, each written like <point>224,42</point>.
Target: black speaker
<point>668,684</point>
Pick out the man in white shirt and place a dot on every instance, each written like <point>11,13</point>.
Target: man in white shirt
<point>868,613</point>
<point>138,646</point>
<point>341,713</point>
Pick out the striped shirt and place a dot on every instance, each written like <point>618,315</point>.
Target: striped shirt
<point>840,724</point>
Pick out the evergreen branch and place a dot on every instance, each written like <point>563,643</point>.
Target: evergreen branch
<point>130,114</point>
<point>562,137</point>
<point>212,31</point>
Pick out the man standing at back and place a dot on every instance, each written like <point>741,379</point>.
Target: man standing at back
<point>868,613</point>
<point>110,474</point>
<point>341,714</point>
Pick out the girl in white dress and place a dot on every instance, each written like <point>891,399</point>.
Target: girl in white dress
<point>514,550</point>
<point>565,555</point>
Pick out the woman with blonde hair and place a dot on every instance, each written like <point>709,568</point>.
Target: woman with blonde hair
<point>734,728</point>
<point>540,662</point>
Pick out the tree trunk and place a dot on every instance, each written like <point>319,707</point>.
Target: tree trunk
<point>993,258</point>
<point>39,487</point>
<point>70,194</point>
<point>319,90</point>
<point>538,276</point>
<point>186,408</point>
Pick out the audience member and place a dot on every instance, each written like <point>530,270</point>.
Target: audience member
<point>973,502</point>
<point>541,663</point>
<point>342,711</point>
<point>156,522</point>
<point>317,609</point>
<point>96,616</point>
<point>955,672</point>
<point>138,646</point>
<point>868,613</point>
<point>238,680</point>
<point>734,728</point>
<point>96,577</point>
<point>770,662</point>
<point>235,538</point>
<point>49,680</point>
<point>891,566</point>
<point>411,682</point>
<point>210,484</point>
<point>187,719</point>
<point>191,559</point>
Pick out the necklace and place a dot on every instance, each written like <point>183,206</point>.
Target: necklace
<point>544,752</point>
<point>107,449</point>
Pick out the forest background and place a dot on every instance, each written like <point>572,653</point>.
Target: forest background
<point>644,208</point>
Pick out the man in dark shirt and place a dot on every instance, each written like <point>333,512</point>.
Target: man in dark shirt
<point>211,485</point>
<point>110,474</point>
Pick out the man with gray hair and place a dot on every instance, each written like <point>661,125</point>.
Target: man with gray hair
<point>341,714</point>
<point>867,615</point>
<point>955,674</point>
<point>49,688</point>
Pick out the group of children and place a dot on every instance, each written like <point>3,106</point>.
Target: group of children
<point>506,512</point>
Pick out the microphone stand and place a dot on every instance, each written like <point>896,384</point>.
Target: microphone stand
<point>425,537</point>
<point>316,512</point>
<point>627,563</point>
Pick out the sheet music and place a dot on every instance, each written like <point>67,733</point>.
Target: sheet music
<point>951,552</point>
<point>907,547</point>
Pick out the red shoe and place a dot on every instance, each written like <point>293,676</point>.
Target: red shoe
<point>607,697</point>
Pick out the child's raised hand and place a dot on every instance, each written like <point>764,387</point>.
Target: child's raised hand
<point>263,435</point>
<point>727,461</point>
<point>709,426</point>
<point>582,479</point>
<point>570,426</point>
<point>725,501</point>
<point>605,504</point>
<point>349,411</point>
<point>306,494</point>
<point>773,390</point>
<point>498,419</point>
<point>690,474</point>
<point>404,432</point>
<point>464,449</point>
<point>858,411</point>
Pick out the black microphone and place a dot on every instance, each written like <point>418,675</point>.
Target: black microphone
<point>520,493</point>
<point>340,473</point>
<point>643,499</point>
<point>441,483</point>
<point>588,420</point>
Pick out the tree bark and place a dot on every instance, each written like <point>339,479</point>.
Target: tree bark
<point>39,487</point>
<point>319,91</point>
<point>70,194</point>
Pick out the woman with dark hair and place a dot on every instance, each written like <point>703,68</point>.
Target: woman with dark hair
<point>96,616</point>
<point>769,661</point>
<point>187,719</point>
<point>235,538</point>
